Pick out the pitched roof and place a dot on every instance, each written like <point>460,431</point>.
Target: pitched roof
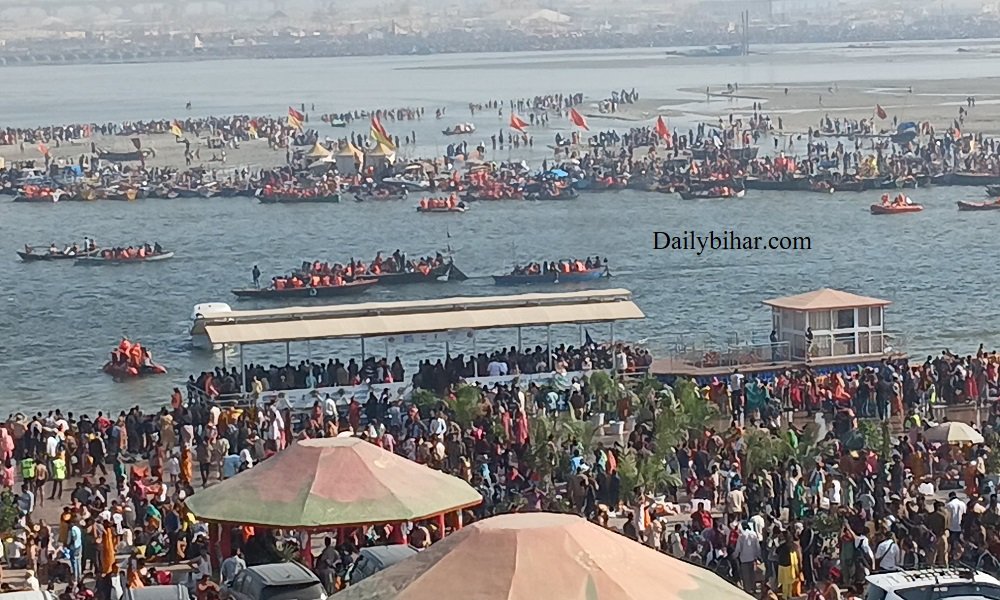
<point>825,299</point>
<point>331,482</point>
<point>526,556</point>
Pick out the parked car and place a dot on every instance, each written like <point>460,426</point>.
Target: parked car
<point>276,581</point>
<point>376,558</point>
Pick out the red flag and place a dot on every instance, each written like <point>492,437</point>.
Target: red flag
<point>661,129</point>
<point>43,149</point>
<point>880,112</point>
<point>578,119</point>
<point>517,123</point>
<point>296,114</point>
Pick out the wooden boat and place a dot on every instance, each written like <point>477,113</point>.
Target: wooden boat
<point>566,193</point>
<point>350,288</point>
<point>442,273</point>
<point>100,260</point>
<point>849,185</point>
<point>993,191</point>
<point>286,199</point>
<point>338,123</point>
<point>552,277</point>
<point>47,256</point>
<point>791,184</point>
<point>742,154</point>
<point>134,155</point>
<point>967,178</point>
<point>376,197</point>
<point>463,129</point>
<point>974,206</point>
<point>878,209</point>
<point>50,197</point>
<point>461,207</point>
<point>710,195</point>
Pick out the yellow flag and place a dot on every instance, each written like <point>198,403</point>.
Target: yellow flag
<point>175,129</point>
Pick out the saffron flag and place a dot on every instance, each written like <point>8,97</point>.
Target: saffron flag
<point>880,112</point>
<point>578,119</point>
<point>43,149</point>
<point>517,123</point>
<point>175,128</point>
<point>295,118</point>
<point>661,129</point>
<point>381,136</point>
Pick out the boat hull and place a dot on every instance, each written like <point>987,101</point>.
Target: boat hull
<point>878,209</point>
<point>978,206</point>
<point>553,277</point>
<point>32,257</point>
<point>348,289</point>
<point>101,261</point>
<point>328,199</point>
<point>129,372</point>
<point>448,272</point>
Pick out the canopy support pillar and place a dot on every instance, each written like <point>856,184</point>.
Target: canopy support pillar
<point>243,372</point>
<point>582,339</point>
<point>225,349</point>
<point>475,359</point>
<point>548,344</point>
<point>309,352</point>
<point>288,353</point>
<point>440,522</point>
<point>519,348</point>
<point>362,351</point>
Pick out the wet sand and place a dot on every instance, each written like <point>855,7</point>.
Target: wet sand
<point>169,152</point>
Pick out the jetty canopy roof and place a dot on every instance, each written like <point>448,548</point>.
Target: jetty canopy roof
<point>332,482</point>
<point>825,299</point>
<point>373,319</point>
<point>524,556</point>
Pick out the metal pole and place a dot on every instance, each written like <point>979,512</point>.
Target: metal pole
<point>243,371</point>
<point>362,349</point>
<point>582,339</point>
<point>519,345</point>
<point>309,352</point>
<point>612,335</point>
<point>224,349</point>
<point>548,343</point>
<point>387,349</point>
<point>288,353</point>
<point>475,359</point>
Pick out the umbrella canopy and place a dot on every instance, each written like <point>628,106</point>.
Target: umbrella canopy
<point>332,482</point>
<point>953,433</point>
<point>541,555</point>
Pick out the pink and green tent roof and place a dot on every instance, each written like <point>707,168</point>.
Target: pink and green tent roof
<point>332,482</point>
<point>541,555</point>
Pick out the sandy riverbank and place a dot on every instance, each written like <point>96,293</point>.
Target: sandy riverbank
<point>169,152</point>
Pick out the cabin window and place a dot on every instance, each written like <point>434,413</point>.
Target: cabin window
<point>863,317</point>
<point>843,344</point>
<point>820,321</point>
<point>821,346</point>
<point>845,318</point>
<point>864,341</point>
<point>799,321</point>
<point>876,312</point>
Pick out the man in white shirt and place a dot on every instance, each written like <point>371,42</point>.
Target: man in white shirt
<point>748,553</point>
<point>833,493</point>
<point>887,554</point>
<point>437,426</point>
<point>956,512</point>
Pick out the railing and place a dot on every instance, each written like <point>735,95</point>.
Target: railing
<point>736,355</point>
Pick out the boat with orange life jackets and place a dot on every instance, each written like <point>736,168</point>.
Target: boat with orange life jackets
<point>41,194</point>
<point>451,204</point>
<point>564,271</point>
<point>142,253</point>
<point>131,359</point>
<point>395,269</point>
<point>899,204</point>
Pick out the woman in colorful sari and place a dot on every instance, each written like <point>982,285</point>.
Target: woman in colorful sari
<point>107,545</point>
<point>789,568</point>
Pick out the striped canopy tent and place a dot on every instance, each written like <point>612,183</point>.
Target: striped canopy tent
<point>322,484</point>
<point>528,556</point>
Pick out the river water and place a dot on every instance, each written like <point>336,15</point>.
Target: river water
<point>58,321</point>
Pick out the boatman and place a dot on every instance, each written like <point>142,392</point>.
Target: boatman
<point>256,276</point>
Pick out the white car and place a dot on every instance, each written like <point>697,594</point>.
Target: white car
<point>933,584</point>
